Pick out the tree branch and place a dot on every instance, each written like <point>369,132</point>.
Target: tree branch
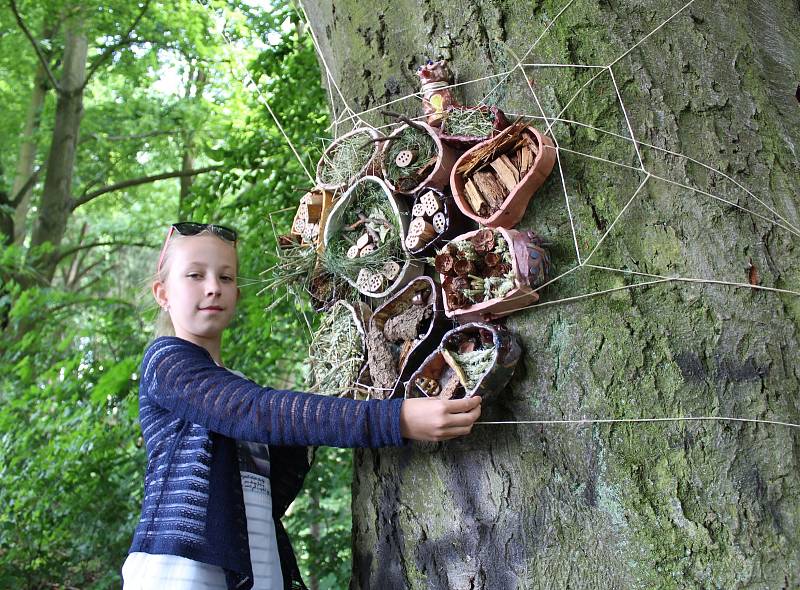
<point>36,47</point>
<point>68,252</point>
<point>109,51</point>
<point>29,184</point>
<point>137,181</point>
<point>98,136</point>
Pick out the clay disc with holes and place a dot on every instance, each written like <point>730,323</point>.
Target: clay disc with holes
<point>404,158</point>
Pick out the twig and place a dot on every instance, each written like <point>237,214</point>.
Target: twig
<point>36,48</point>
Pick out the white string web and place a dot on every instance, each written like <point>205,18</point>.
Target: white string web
<point>345,116</point>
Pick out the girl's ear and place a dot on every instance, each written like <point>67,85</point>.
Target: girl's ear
<point>160,293</point>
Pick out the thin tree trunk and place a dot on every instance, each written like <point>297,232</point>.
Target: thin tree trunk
<point>28,147</point>
<point>683,504</point>
<point>56,201</point>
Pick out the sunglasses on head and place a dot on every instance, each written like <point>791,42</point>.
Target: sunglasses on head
<point>190,228</point>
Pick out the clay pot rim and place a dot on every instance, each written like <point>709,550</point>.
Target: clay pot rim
<point>491,221</point>
<point>439,157</point>
<point>410,268</point>
<point>338,188</point>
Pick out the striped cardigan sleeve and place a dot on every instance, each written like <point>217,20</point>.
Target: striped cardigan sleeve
<point>181,377</point>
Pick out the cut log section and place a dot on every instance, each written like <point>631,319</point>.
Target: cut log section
<point>376,282</point>
<point>431,203</point>
<point>421,229</point>
<point>367,250</point>
<point>362,240</point>
<point>362,282</point>
<point>413,242</point>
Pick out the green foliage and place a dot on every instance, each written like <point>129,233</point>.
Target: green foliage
<point>71,461</point>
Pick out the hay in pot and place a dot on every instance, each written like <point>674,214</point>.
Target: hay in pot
<point>347,159</point>
<point>337,352</point>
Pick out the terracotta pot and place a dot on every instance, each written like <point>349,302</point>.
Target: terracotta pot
<point>440,175</point>
<point>429,340</point>
<point>370,168</point>
<point>456,222</point>
<point>464,142</point>
<point>530,264</point>
<point>327,198</point>
<point>496,377</point>
<point>409,268</point>
<point>516,202</point>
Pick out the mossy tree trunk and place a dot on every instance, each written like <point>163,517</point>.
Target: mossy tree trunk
<point>644,505</point>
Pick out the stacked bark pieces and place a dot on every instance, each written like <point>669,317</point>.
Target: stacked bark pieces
<point>496,169</point>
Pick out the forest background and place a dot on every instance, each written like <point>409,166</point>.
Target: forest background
<point>168,128</point>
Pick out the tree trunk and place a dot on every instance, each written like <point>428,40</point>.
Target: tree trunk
<point>56,201</point>
<point>692,504</point>
<point>28,147</point>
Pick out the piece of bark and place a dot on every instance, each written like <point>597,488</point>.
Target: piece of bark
<point>449,383</point>
<point>475,198</point>
<point>506,172</point>
<point>406,325</point>
<point>451,362</point>
<point>382,366</point>
<point>408,345</point>
<point>493,191</point>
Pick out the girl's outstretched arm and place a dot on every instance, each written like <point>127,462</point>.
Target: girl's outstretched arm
<point>181,377</point>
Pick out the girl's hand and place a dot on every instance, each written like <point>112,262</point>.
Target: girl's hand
<point>434,420</point>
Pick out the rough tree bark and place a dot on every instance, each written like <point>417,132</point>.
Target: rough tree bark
<point>645,505</point>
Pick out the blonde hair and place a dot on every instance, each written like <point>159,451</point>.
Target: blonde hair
<point>164,325</point>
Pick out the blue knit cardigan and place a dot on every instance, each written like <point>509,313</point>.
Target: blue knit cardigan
<point>191,412</point>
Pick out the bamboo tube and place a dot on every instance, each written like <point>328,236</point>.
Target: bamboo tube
<point>439,222</point>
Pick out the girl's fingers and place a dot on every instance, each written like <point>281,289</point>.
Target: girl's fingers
<point>463,418</point>
<point>466,404</point>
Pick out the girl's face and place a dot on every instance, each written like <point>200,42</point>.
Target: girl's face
<point>200,287</point>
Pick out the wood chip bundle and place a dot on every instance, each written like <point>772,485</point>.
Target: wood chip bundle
<point>496,168</point>
<point>475,270</point>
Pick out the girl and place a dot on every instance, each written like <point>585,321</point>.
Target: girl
<point>225,456</point>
